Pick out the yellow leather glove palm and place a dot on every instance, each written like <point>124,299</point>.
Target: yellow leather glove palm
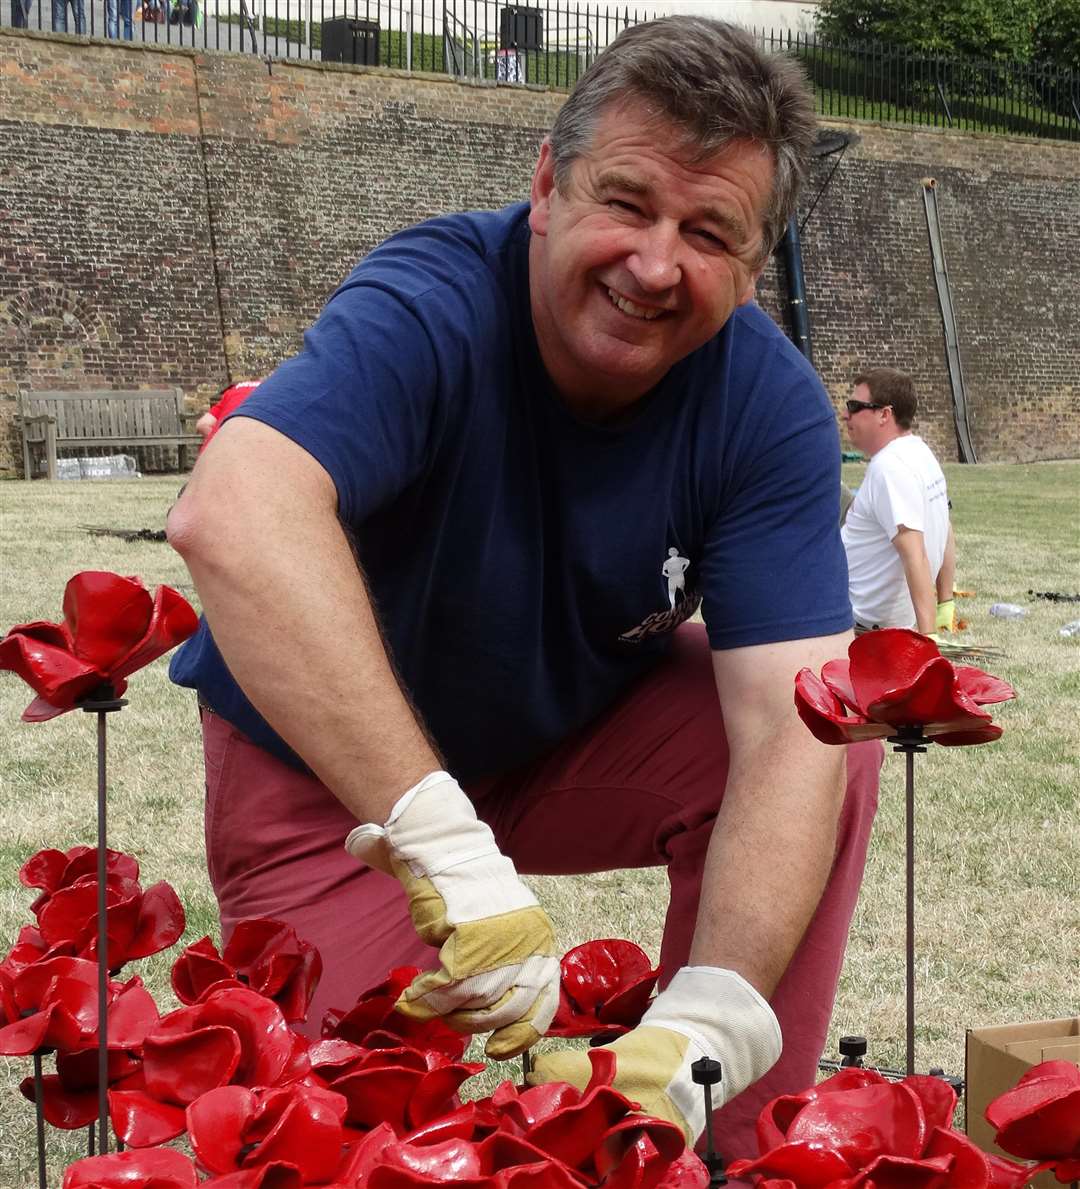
<point>498,971</point>
<point>703,1012</point>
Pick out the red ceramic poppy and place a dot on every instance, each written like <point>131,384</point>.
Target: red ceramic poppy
<point>51,1004</point>
<point>52,870</point>
<point>140,922</point>
<point>374,1012</point>
<point>897,678</point>
<point>232,1128</point>
<point>858,1129</point>
<point>263,954</point>
<point>604,989</point>
<point>112,626</point>
<point>69,1097</point>
<point>234,1036</point>
<point>1039,1119</point>
<point>405,1087</point>
<point>156,1168</point>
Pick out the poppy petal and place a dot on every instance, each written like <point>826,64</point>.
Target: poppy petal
<point>982,688</point>
<point>105,614</point>
<point>163,1168</point>
<point>823,712</point>
<point>172,621</point>
<point>53,672</point>
<point>160,922</point>
<point>143,1121</point>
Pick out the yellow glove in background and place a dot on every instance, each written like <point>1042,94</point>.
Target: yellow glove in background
<point>498,971</point>
<point>703,1012</point>
<point>946,616</point>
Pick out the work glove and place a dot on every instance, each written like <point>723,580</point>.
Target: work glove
<point>946,616</point>
<point>498,971</point>
<point>703,1012</point>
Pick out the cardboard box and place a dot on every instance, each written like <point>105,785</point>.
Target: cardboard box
<point>997,1057</point>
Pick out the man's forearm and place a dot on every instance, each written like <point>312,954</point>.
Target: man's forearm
<point>920,583</point>
<point>258,529</point>
<point>769,856</point>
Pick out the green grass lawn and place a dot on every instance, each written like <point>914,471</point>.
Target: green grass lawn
<point>998,829</point>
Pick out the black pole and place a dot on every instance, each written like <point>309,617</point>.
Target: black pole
<point>909,741</point>
<point>39,1100</point>
<point>909,901</point>
<point>102,702</point>
<point>103,942</point>
<point>791,251</point>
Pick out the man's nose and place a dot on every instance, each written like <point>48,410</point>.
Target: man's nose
<point>655,260</point>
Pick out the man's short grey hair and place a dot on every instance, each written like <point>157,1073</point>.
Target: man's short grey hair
<point>709,78</point>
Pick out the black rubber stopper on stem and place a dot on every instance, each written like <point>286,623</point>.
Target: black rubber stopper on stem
<point>708,1073</point>
<point>852,1050</point>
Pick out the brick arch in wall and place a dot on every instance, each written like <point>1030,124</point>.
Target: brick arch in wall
<point>53,335</point>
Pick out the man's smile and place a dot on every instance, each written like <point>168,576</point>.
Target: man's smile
<point>631,308</point>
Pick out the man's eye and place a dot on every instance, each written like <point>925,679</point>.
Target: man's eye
<point>621,205</point>
<point>714,241</point>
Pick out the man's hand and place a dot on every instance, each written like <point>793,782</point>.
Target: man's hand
<point>703,1012</point>
<point>498,971</point>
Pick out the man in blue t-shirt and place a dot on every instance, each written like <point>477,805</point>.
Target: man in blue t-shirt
<point>446,615</point>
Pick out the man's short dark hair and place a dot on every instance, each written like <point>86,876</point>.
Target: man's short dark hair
<point>890,387</point>
<point>710,79</point>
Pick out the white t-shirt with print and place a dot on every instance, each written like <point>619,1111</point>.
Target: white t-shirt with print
<point>904,487</point>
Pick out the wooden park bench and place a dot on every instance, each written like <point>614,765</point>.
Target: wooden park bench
<point>53,421</point>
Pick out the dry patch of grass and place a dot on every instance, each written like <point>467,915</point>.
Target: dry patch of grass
<point>998,828</point>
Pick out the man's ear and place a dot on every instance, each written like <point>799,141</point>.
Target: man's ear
<point>543,185</point>
<point>750,289</point>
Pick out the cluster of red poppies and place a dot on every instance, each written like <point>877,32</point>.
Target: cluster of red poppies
<point>49,979</point>
<point>857,1130</point>
<point>373,1102</point>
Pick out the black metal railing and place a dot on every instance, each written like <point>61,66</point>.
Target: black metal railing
<point>553,43</point>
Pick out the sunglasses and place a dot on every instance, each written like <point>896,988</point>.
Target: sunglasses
<point>857,406</point>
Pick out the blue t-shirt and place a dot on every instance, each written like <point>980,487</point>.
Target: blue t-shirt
<point>526,566</point>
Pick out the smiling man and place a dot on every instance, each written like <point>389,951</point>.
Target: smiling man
<point>446,634</point>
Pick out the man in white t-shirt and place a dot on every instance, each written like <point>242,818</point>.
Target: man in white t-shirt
<point>897,533</point>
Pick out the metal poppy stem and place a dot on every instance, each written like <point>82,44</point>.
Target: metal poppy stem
<point>39,1099</point>
<point>102,702</point>
<point>909,740</point>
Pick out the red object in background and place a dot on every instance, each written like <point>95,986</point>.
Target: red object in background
<point>112,626</point>
<point>231,398</point>
<point>263,954</point>
<point>604,988</point>
<point>1039,1119</point>
<point>896,678</point>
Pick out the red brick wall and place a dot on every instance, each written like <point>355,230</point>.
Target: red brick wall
<point>170,217</point>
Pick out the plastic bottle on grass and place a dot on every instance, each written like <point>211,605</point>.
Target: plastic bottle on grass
<point>1070,629</point>
<point>1008,611</point>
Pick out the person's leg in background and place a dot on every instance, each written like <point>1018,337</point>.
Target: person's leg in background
<point>111,26</point>
<point>641,787</point>
<point>59,16</point>
<point>20,14</point>
<point>275,847</point>
<point>125,14</point>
